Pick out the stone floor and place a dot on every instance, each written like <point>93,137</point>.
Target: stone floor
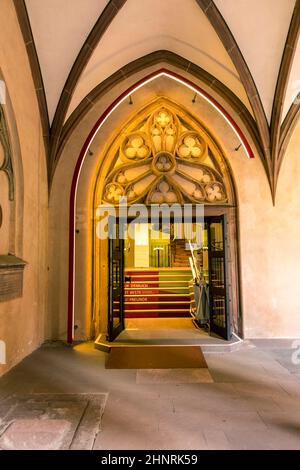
<point>61,397</point>
<point>164,331</point>
<point>167,331</point>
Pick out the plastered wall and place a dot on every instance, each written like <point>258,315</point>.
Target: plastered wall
<point>270,250</point>
<point>269,243</point>
<point>22,319</point>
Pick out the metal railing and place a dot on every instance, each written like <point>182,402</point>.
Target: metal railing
<point>200,300</point>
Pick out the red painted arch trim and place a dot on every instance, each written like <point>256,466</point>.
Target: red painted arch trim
<point>76,174</point>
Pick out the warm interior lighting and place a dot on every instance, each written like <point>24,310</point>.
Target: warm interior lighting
<point>212,102</point>
<point>85,149</point>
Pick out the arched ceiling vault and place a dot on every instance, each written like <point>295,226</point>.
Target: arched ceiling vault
<point>223,31</point>
<point>35,69</point>
<point>62,37</point>
<point>279,132</point>
<point>287,129</point>
<point>143,63</point>
<point>270,134</point>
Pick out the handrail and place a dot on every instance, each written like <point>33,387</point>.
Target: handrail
<point>192,268</point>
<point>201,298</point>
<point>195,270</point>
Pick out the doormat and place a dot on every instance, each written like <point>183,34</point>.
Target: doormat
<point>156,357</point>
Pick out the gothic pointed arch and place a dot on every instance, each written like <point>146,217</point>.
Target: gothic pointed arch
<point>143,63</point>
<point>165,156</point>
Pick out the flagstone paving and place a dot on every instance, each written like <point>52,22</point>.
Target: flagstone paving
<point>64,398</point>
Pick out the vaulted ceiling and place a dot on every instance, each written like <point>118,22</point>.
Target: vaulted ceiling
<point>249,46</point>
<point>60,28</point>
<point>260,28</point>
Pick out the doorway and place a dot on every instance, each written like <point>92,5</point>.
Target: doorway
<point>153,274</point>
<point>165,157</point>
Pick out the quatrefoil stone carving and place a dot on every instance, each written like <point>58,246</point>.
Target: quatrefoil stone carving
<point>163,163</point>
<point>165,160</point>
<point>163,193</point>
<point>113,193</point>
<point>191,146</point>
<point>135,147</point>
<point>163,118</point>
<point>214,192</point>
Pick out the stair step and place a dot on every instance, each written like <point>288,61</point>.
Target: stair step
<point>157,283</point>
<point>185,288</point>
<point>159,310</point>
<point>161,275</point>
<point>156,309</point>
<point>158,293</point>
<point>169,295</point>
<point>146,294</point>
<point>162,302</point>
<point>157,298</point>
<point>182,255</point>
<point>157,313</point>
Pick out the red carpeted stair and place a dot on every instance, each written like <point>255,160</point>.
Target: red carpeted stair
<point>157,293</point>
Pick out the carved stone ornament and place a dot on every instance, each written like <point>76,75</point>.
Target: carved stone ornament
<point>163,161</point>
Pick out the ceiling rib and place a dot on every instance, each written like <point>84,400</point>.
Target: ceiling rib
<point>25,27</point>
<point>287,128</point>
<point>231,46</point>
<point>281,133</point>
<point>103,22</point>
<point>271,142</point>
<point>142,63</point>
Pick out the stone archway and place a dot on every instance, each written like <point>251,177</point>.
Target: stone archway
<point>163,154</point>
<point>84,167</point>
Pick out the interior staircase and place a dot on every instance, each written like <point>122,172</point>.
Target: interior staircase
<point>157,293</point>
<point>181,255</point>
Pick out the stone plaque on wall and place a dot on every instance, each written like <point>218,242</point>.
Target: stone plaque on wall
<point>11,277</point>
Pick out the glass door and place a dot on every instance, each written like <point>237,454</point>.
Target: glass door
<point>116,285</point>
<point>219,310</point>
